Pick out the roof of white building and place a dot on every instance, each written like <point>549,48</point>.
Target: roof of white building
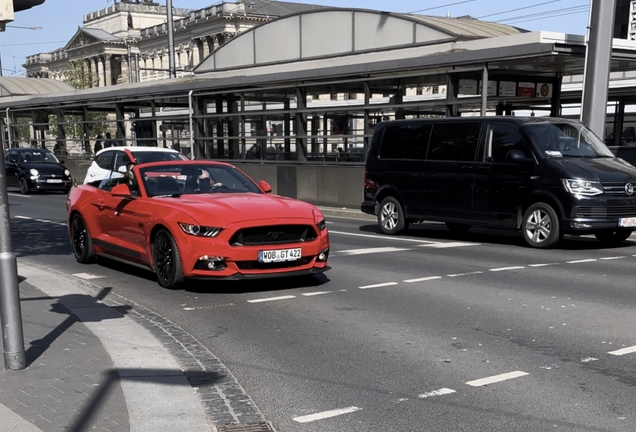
<point>21,86</point>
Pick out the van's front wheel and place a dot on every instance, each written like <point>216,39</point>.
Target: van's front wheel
<point>540,226</point>
<point>391,216</point>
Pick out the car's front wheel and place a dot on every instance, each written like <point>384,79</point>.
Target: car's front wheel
<point>616,237</point>
<point>24,186</point>
<point>391,216</point>
<point>167,260</point>
<point>81,240</point>
<point>540,226</point>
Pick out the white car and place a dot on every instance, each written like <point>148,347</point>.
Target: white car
<point>111,162</point>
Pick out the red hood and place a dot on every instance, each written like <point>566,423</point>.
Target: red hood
<point>222,209</point>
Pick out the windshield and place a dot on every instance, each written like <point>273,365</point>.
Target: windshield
<point>38,156</point>
<point>195,179</point>
<point>146,157</point>
<point>566,140</point>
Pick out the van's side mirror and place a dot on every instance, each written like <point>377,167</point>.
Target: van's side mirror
<point>265,187</point>
<point>517,156</point>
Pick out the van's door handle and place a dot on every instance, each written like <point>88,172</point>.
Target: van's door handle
<point>485,168</point>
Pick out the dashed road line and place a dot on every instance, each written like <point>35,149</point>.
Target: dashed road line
<point>581,261</point>
<point>422,279</point>
<point>367,251</point>
<point>543,265</point>
<point>18,195</point>
<point>386,284</point>
<point>496,378</point>
<point>382,237</point>
<point>465,274</point>
<point>325,414</point>
<point>449,245</point>
<point>271,299</point>
<point>311,294</point>
<point>588,359</point>
<point>507,268</point>
<point>40,220</point>
<point>87,276</point>
<point>623,351</point>
<point>613,258</point>
<point>440,392</point>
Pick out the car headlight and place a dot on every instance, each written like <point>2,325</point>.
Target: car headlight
<point>200,231</point>
<point>67,173</point>
<point>582,187</point>
<point>322,224</point>
<point>34,172</point>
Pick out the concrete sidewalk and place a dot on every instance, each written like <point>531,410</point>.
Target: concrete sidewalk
<point>348,213</point>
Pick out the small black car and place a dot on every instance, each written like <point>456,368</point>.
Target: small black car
<point>34,169</point>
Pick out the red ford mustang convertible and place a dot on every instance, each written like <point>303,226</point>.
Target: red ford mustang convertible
<point>196,219</point>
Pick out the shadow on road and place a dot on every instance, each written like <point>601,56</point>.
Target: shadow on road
<point>31,237</point>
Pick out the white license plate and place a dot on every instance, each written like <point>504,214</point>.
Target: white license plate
<point>54,181</point>
<point>279,255</point>
<point>627,222</point>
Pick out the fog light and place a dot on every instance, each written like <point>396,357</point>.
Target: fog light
<point>580,225</point>
<point>210,263</point>
<point>323,255</point>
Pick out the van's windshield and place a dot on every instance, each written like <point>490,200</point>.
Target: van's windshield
<point>566,139</point>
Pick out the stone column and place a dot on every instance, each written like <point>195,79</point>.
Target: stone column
<point>125,74</point>
<point>99,68</point>
<point>108,70</point>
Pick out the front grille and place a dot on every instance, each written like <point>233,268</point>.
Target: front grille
<point>614,188</point>
<point>276,234</point>
<point>255,265</point>
<point>604,212</point>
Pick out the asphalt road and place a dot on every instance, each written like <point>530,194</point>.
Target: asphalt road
<point>430,331</point>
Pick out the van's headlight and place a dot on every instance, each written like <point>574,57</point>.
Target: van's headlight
<point>200,231</point>
<point>582,187</point>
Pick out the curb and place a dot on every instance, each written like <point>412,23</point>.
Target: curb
<point>346,213</point>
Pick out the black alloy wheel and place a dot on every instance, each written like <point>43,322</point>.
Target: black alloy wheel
<point>81,240</point>
<point>616,237</point>
<point>540,227</point>
<point>167,260</point>
<point>24,186</point>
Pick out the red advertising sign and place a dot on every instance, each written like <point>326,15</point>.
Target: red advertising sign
<point>526,90</point>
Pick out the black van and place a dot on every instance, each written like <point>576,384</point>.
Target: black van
<point>544,176</point>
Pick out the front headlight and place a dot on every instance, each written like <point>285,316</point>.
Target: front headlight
<point>67,173</point>
<point>34,172</point>
<point>200,231</point>
<point>582,187</point>
<point>322,225</point>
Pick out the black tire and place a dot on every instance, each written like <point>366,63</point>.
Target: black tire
<point>81,240</point>
<point>458,227</point>
<point>614,237</point>
<point>167,261</point>
<point>24,186</point>
<point>540,226</point>
<point>391,217</point>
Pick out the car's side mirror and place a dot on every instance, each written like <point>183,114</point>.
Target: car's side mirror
<point>517,156</point>
<point>122,169</point>
<point>265,187</point>
<point>61,161</point>
<point>121,190</point>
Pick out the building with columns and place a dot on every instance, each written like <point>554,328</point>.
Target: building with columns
<point>128,41</point>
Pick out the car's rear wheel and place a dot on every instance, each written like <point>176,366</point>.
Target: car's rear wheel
<point>167,260</point>
<point>81,240</point>
<point>613,237</point>
<point>391,216</point>
<point>24,185</point>
<point>540,226</point>
<point>458,227</point>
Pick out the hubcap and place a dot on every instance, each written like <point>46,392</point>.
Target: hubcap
<point>538,226</point>
<point>79,237</point>
<point>390,216</point>
<point>163,258</point>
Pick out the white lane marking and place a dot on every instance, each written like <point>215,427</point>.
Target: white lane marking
<point>449,245</point>
<point>581,261</point>
<point>18,195</point>
<point>623,351</point>
<point>22,217</point>
<point>543,265</point>
<point>613,258</point>
<point>465,274</point>
<point>588,359</point>
<point>368,251</point>
<point>316,293</point>
<point>325,414</point>
<point>271,299</point>
<point>422,279</point>
<point>87,276</point>
<point>382,237</point>
<point>40,220</point>
<point>327,222</point>
<point>496,378</point>
<point>379,285</point>
<point>440,392</point>
<point>507,268</point>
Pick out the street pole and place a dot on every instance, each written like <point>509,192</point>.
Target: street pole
<point>597,65</point>
<point>10,310</point>
<point>173,73</point>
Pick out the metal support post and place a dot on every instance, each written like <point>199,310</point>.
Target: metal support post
<point>10,311</point>
<point>484,91</point>
<point>555,103</point>
<point>597,66</point>
<point>173,73</point>
<point>619,120</point>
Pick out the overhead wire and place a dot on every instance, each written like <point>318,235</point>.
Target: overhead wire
<point>518,9</point>
<point>442,6</point>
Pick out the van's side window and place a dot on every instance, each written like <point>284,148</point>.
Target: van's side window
<point>408,141</point>
<point>454,141</point>
<point>501,139</point>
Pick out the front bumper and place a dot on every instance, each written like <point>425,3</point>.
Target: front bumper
<point>45,186</point>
